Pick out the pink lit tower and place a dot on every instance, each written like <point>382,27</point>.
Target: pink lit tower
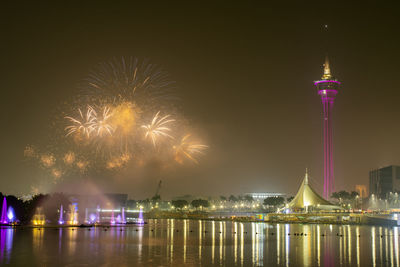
<point>328,88</point>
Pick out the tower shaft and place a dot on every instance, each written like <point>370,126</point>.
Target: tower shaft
<point>327,89</point>
<point>328,147</point>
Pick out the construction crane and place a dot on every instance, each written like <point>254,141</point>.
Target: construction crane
<point>157,194</point>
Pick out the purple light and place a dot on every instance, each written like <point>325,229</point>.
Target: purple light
<point>140,219</point>
<point>118,218</point>
<point>328,97</point>
<point>98,214</point>
<point>112,221</point>
<point>92,217</point>
<point>6,240</point>
<point>10,214</point>
<point>326,81</point>
<point>327,92</point>
<point>60,219</point>
<point>4,218</point>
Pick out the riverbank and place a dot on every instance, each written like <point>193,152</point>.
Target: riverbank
<point>302,218</point>
<point>292,218</point>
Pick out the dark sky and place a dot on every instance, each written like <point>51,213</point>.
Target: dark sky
<point>245,74</point>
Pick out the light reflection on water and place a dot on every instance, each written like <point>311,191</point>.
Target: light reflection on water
<point>6,241</point>
<point>196,242</point>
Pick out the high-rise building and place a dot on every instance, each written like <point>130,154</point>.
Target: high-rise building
<point>327,89</point>
<point>261,196</point>
<point>384,180</point>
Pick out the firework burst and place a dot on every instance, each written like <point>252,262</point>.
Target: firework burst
<point>29,152</point>
<point>102,124</point>
<point>82,165</point>
<point>84,124</point>
<point>128,79</point>
<point>69,158</point>
<point>118,162</point>
<point>47,160</point>
<point>56,173</point>
<point>189,149</point>
<point>125,118</point>
<point>158,128</point>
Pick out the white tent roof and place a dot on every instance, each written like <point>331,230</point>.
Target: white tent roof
<point>306,196</point>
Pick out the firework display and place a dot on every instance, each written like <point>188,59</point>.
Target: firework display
<point>124,114</point>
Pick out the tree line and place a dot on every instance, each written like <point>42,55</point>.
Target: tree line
<point>24,210</point>
<point>196,203</point>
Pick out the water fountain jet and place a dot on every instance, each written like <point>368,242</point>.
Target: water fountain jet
<point>61,219</point>
<point>123,216</point>
<point>73,215</point>
<point>39,218</point>
<point>4,219</point>
<point>98,214</point>
<point>140,219</point>
<point>112,221</point>
<point>10,215</point>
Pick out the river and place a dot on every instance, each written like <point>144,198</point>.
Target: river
<point>172,242</point>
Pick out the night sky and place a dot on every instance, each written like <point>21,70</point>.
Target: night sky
<point>244,73</point>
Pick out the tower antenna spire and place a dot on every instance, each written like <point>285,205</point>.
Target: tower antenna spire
<point>306,177</point>
<point>327,70</point>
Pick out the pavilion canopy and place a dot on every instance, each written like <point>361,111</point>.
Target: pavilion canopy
<point>306,196</point>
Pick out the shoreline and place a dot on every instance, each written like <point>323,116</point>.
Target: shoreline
<point>276,219</point>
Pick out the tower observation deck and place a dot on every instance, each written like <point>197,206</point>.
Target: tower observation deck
<point>328,88</point>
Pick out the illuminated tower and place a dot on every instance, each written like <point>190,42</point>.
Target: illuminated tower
<point>327,89</point>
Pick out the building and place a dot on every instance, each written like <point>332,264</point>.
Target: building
<point>384,180</point>
<point>328,88</point>
<point>261,196</point>
<point>307,199</point>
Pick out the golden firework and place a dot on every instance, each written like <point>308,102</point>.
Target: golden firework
<point>29,152</point>
<point>84,124</point>
<point>188,149</point>
<point>82,165</point>
<point>158,127</point>
<point>56,173</point>
<point>124,118</point>
<point>118,162</point>
<point>102,124</point>
<point>47,160</point>
<point>69,158</point>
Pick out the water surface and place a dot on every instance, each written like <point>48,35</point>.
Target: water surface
<point>194,242</point>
